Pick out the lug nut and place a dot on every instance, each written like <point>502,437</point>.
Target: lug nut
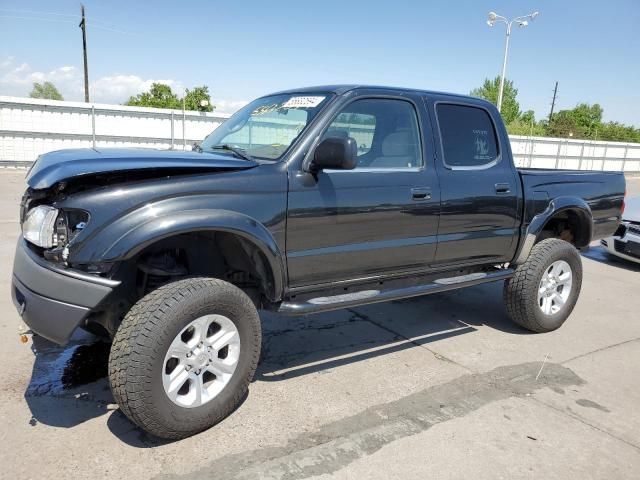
<point>189,354</point>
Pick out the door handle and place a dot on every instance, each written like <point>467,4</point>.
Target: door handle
<point>422,193</point>
<point>503,188</point>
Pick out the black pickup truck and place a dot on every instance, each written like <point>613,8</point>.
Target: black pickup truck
<point>303,201</point>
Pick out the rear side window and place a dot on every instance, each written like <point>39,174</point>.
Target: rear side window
<point>468,135</point>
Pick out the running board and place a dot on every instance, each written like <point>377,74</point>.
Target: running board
<point>364,297</point>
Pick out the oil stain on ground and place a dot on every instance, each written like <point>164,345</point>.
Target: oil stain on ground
<point>335,445</point>
<point>61,371</point>
<point>583,402</point>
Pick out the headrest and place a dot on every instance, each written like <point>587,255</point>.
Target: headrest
<point>337,133</point>
<point>398,144</point>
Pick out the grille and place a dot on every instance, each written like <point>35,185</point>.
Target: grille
<point>634,228</point>
<point>629,248</point>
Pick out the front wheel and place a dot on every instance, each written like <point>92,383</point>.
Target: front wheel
<point>183,357</point>
<point>545,288</point>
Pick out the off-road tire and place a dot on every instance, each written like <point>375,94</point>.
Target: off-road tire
<point>521,291</point>
<point>139,347</point>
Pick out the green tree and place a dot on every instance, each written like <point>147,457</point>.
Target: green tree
<point>158,96</point>
<point>587,117</point>
<point>564,124</point>
<point>617,132</point>
<point>528,117</point>
<point>489,91</point>
<point>45,90</point>
<point>194,99</point>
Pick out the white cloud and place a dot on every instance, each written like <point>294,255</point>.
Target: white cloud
<point>118,88</point>
<point>16,79</point>
<point>228,106</point>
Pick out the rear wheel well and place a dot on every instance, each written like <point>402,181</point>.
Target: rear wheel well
<point>569,225</point>
<point>216,254</point>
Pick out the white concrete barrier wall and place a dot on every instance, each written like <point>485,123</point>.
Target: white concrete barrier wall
<point>30,127</point>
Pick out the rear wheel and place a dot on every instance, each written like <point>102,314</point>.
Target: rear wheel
<point>545,288</point>
<point>184,355</point>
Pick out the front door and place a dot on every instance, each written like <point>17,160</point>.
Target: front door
<point>379,218</point>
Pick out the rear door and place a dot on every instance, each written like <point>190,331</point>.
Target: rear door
<point>379,218</point>
<point>480,190</point>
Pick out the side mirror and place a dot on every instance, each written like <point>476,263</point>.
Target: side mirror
<point>335,152</point>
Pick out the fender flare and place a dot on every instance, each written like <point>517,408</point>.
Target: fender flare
<point>556,206</point>
<point>125,239</point>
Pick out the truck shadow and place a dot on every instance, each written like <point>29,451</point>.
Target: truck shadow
<point>294,347</point>
<point>69,386</point>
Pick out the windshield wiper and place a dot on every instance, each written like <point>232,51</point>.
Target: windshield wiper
<point>237,151</point>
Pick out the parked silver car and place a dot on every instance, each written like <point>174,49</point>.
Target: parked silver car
<point>625,242</point>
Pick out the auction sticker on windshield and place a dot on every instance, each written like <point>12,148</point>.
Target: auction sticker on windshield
<point>303,102</point>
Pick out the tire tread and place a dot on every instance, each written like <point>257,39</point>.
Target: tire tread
<point>137,340</point>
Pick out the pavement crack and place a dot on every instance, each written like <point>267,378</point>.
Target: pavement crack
<point>578,418</point>
<point>598,350</point>
<point>335,445</point>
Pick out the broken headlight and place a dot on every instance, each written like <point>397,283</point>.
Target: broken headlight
<point>39,226</point>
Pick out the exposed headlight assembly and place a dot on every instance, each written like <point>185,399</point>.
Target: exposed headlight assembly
<point>39,226</point>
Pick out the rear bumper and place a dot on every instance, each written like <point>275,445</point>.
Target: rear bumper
<point>51,300</point>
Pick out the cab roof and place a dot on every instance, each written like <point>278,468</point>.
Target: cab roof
<point>344,88</point>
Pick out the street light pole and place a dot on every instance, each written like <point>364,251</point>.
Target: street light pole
<point>522,22</point>
<point>504,67</point>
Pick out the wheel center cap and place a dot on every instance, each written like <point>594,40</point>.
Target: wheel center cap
<point>202,359</point>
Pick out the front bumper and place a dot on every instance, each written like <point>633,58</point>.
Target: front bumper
<point>625,244</point>
<point>53,301</point>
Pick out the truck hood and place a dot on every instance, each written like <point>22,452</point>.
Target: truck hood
<point>54,167</point>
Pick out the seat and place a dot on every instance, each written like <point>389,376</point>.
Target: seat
<point>399,150</point>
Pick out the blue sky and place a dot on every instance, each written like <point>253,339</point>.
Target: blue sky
<point>245,49</point>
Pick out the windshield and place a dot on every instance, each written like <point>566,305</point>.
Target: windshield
<point>266,127</point>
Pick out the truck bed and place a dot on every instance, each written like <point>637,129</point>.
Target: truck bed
<point>602,191</point>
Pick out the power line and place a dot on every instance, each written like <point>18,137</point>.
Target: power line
<point>55,20</point>
<point>99,24</point>
<point>12,10</point>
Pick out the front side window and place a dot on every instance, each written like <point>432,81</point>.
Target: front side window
<point>385,130</point>
<point>468,135</point>
<point>266,127</point>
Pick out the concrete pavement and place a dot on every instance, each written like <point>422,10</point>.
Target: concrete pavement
<point>442,386</point>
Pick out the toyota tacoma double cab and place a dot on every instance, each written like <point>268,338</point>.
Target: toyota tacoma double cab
<point>303,201</point>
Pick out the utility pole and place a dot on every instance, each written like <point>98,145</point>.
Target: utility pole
<point>83,26</point>
<point>553,102</point>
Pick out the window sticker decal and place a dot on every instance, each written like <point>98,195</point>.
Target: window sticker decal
<point>303,102</point>
<point>481,145</point>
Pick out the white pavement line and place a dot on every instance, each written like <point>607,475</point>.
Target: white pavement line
<point>542,366</point>
<point>386,346</point>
